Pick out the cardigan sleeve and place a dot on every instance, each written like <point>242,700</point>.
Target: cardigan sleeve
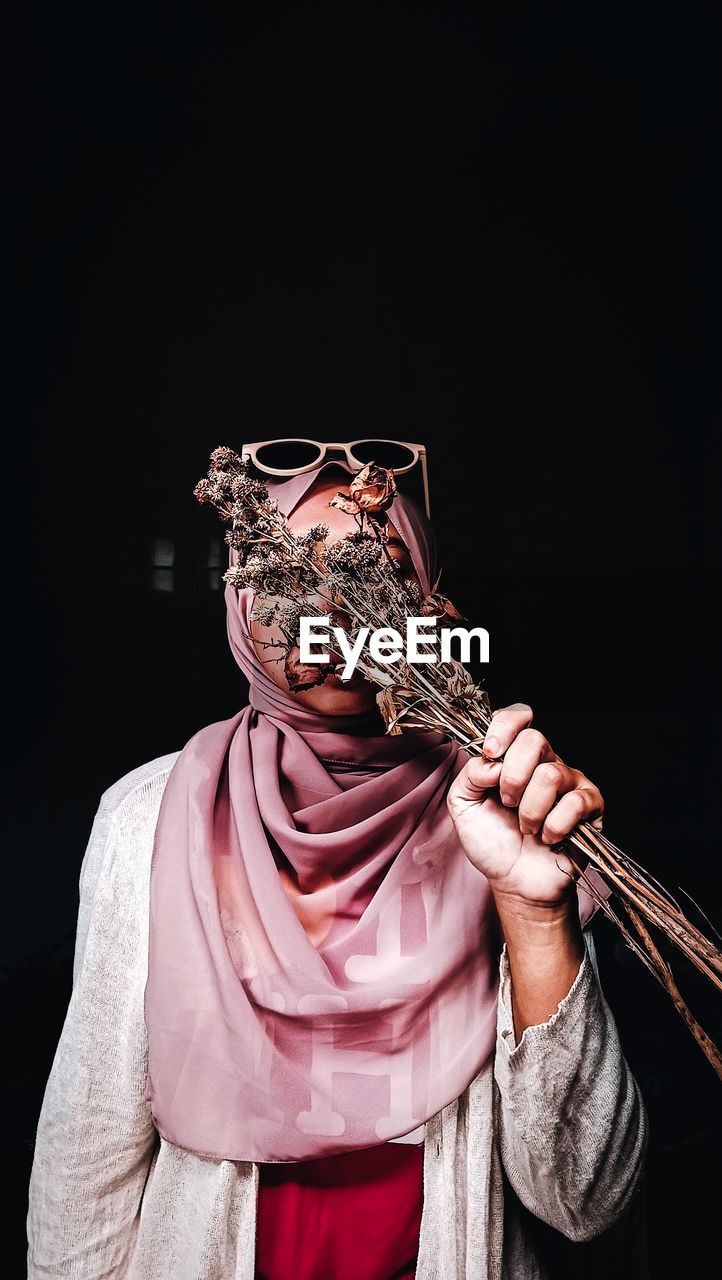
<point>572,1123</point>
<point>95,1135</point>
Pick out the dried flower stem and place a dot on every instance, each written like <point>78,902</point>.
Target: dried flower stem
<point>664,973</point>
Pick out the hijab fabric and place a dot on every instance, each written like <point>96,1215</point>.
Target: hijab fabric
<point>323,957</point>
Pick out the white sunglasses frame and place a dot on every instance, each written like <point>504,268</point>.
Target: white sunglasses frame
<point>250,450</point>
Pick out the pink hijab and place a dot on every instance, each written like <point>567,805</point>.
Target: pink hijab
<point>323,958</point>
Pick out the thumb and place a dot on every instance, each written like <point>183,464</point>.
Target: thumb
<point>477,777</point>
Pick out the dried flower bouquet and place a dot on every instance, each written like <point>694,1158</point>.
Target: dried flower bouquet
<point>355,582</point>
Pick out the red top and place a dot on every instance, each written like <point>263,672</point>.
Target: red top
<point>356,1214</point>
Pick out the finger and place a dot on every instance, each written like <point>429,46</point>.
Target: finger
<point>505,726</point>
<point>572,809</point>
<point>548,781</point>
<point>473,781</point>
<point>526,752</point>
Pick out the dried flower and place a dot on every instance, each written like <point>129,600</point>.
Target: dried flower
<point>373,489</point>
<point>438,606</point>
<point>461,689</point>
<point>392,700</point>
<point>302,675</point>
<point>358,555</point>
<point>277,611</point>
<point>344,503</point>
<point>362,584</point>
<point>317,533</point>
<point>238,576</point>
<point>223,457</point>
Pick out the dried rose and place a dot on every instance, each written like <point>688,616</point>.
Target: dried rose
<point>302,675</point>
<point>373,489</point>
<point>344,503</point>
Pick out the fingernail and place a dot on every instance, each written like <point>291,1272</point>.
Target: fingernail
<point>491,746</point>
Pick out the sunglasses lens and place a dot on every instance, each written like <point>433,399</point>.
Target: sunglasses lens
<point>384,452</point>
<point>286,455</point>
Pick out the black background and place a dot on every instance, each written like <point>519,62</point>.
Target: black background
<point>496,235</point>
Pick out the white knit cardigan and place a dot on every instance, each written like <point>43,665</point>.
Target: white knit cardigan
<point>555,1123</point>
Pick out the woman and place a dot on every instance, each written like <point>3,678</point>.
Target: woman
<point>351,1026</point>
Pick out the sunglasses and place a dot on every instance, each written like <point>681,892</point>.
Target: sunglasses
<point>294,456</point>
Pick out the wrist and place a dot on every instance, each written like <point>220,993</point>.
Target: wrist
<point>528,912</point>
<point>545,949</point>
<point>541,929</point>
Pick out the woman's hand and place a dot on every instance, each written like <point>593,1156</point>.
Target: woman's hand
<point>510,810</point>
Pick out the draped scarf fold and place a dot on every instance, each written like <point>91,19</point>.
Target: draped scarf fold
<point>323,958</point>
